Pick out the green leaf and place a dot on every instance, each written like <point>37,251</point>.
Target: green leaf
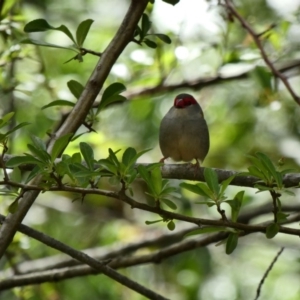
<point>59,103</point>
<point>271,168</point>
<point>281,217</point>
<point>156,182</point>
<point>40,154</point>
<point>231,242</point>
<point>254,171</point>
<point>171,225</point>
<point>15,176</point>
<point>39,25</point>
<point>146,24</point>
<point>111,94</point>
<point>82,31</point>
<point>150,43</point>
<point>128,155</point>
<point>17,127</point>
<point>264,77</point>
<point>44,44</point>
<point>108,165</point>
<point>163,38</point>
<point>76,158</point>
<point>35,171</point>
<point>207,229</point>
<point>200,189</point>
<point>88,154</point>
<point>21,160</point>
<point>59,145</point>
<point>225,184</point>
<point>271,230</point>
<point>75,88</point>
<point>145,174</point>
<point>113,157</point>
<point>13,207</point>
<point>5,119</point>
<point>236,205</point>
<point>169,203</point>
<point>38,143</point>
<point>211,179</point>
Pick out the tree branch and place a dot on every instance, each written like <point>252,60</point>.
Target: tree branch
<point>84,258</point>
<point>257,40</point>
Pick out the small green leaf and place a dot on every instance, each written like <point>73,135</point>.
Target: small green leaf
<point>236,205</point>
<point>113,157</point>
<point>40,154</point>
<point>200,189</point>
<point>211,179</point>
<point>111,94</point>
<point>156,181</point>
<point>231,242</point>
<point>17,127</point>
<point>39,25</point>
<point>88,154</point>
<point>254,171</point>
<point>270,166</point>
<point>171,225</point>
<point>163,38</point>
<point>38,143</point>
<point>44,44</point>
<point>207,229</point>
<point>59,145</point>
<point>150,43</point>
<point>281,217</point>
<point>146,24</point>
<point>82,31</point>
<point>75,88</point>
<point>145,174</point>
<point>128,155</point>
<point>5,119</point>
<point>13,207</point>
<point>225,184</point>
<point>271,230</point>
<point>169,203</point>
<point>21,160</point>
<point>35,171</point>
<point>59,103</point>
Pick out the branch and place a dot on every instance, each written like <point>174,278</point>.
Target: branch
<point>84,258</point>
<point>66,268</point>
<point>80,110</point>
<point>257,40</point>
<point>97,267</point>
<point>267,273</point>
<point>180,171</point>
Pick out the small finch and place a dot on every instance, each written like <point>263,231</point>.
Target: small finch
<point>183,134</point>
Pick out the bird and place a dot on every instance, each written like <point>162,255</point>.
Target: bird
<point>183,133</point>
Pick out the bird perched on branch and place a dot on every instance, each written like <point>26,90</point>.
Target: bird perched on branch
<point>183,134</point>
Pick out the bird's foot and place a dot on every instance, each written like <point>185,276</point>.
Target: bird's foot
<point>163,160</point>
<point>196,167</point>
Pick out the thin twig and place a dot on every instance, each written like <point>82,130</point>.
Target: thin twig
<point>84,51</point>
<point>257,40</point>
<point>267,273</point>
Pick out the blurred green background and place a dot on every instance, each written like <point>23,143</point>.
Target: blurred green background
<point>252,112</point>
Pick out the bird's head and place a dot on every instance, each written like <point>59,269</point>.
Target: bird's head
<point>184,100</point>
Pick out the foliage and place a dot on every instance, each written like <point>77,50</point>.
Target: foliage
<point>252,120</point>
